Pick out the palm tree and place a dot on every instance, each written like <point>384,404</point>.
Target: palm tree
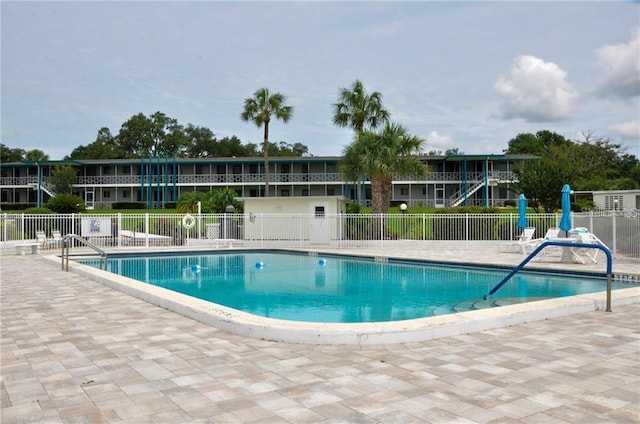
<point>351,167</point>
<point>359,110</point>
<point>259,109</point>
<point>390,151</point>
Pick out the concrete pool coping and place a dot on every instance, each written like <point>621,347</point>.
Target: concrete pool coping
<point>414,330</point>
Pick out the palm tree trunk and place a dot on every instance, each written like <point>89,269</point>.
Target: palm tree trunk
<point>265,152</point>
<point>380,193</point>
<point>359,190</point>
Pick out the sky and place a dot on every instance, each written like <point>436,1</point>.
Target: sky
<point>467,75</point>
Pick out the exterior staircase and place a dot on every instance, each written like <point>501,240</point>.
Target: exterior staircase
<point>460,195</point>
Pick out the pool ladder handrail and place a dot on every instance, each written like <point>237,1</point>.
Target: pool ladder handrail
<point>538,249</point>
<point>65,251</point>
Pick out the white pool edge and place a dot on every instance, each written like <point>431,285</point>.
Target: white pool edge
<point>407,331</point>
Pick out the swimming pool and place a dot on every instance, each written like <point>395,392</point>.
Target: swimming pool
<point>339,289</point>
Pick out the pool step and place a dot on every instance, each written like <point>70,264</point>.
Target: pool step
<point>472,305</point>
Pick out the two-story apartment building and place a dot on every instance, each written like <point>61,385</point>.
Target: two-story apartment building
<point>450,181</point>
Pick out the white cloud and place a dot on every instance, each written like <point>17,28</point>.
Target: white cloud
<point>620,66</point>
<point>536,91</point>
<point>436,141</point>
<point>628,130</point>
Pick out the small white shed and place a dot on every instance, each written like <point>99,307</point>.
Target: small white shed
<point>617,199</point>
<point>309,218</point>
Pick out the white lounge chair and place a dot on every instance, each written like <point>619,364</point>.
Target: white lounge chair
<point>585,236</point>
<point>519,245</point>
<point>551,234</point>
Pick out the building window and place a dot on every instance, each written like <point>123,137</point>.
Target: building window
<point>613,203</point>
<point>404,191</point>
<point>285,193</point>
<point>253,193</point>
<point>106,194</point>
<point>305,192</point>
<point>221,169</point>
<point>424,191</point>
<point>331,192</point>
<point>126,193</point>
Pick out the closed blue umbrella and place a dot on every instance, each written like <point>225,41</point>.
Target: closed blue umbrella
<point>522,211</point>
<point>565,203</point>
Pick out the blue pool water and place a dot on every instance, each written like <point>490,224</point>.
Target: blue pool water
<point>340,289</point>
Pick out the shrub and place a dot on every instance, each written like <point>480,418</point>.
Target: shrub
<point>38,211</point>
<point>129,205</point>
<point>18,206</point>
<point>353,208</point>
<point>66,203</point>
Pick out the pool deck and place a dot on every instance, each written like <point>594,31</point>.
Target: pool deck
<point>76,351</point>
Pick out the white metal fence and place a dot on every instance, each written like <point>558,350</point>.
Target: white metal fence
<point>619,230</point>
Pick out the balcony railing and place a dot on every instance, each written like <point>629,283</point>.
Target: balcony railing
<point>227,179</point>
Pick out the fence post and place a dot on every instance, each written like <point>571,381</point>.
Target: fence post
<point>613,234</point>
<point>466,226</point>
<point>146,229</point>
<point>119,223</point>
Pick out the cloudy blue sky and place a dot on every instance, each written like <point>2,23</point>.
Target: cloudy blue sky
<point>470,75</point>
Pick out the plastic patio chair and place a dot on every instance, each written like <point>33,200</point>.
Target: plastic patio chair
<point>41,238</point>
<point>519,245</point>
<point>56,238</point>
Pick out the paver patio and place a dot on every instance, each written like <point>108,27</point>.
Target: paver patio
<point>75,351</point>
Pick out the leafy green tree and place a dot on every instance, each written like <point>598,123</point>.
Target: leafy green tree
<point>596,163</point>
<point>66,203</point>
<point>286,149</point>
<point>359,110</point>
<point>538,144</point>
<point>201,142</point>
<point>36,155</point>
<point>626,184</point>
<point>259,109</point>
<point>542,180</point>
<point>156,135</point>
<point>105,146</point>
<point>233,147</point>
<point>7,154</point>
<point>599,159</point>
<point>62,179</point>
<point>390,151</point>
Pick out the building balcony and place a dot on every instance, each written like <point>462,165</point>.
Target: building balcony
<point>253,179</point>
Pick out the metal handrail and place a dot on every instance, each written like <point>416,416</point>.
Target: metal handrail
<point>65,251</point>
<point>606,251</point>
